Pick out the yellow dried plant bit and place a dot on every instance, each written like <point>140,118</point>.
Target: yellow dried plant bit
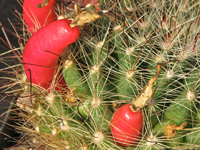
<point>172,129</point>
<point>85,17</point>
<point>44,3</point>
<point>69,97</point>
<point>146,93</point>
<point>89,16</point>
<point>115,106</point>
<point>76,9</point>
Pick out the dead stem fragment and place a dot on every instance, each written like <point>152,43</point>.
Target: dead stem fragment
<point>146,93</point>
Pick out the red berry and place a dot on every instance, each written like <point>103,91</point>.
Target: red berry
<point>35,17</point>
<point>126,125</point>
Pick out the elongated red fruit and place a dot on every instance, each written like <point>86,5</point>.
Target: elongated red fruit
<point>126,125</point>
<point>37,14</point>
<point>43,49</point>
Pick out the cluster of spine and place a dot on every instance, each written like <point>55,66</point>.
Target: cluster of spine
<point>108,66</point>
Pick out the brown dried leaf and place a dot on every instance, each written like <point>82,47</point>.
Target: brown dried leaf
<point>171,129</point>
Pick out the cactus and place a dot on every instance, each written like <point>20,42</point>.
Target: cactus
<point>109,65</point>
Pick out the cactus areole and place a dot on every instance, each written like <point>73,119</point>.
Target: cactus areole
<point>127,125</point>
<point>43,49</point>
